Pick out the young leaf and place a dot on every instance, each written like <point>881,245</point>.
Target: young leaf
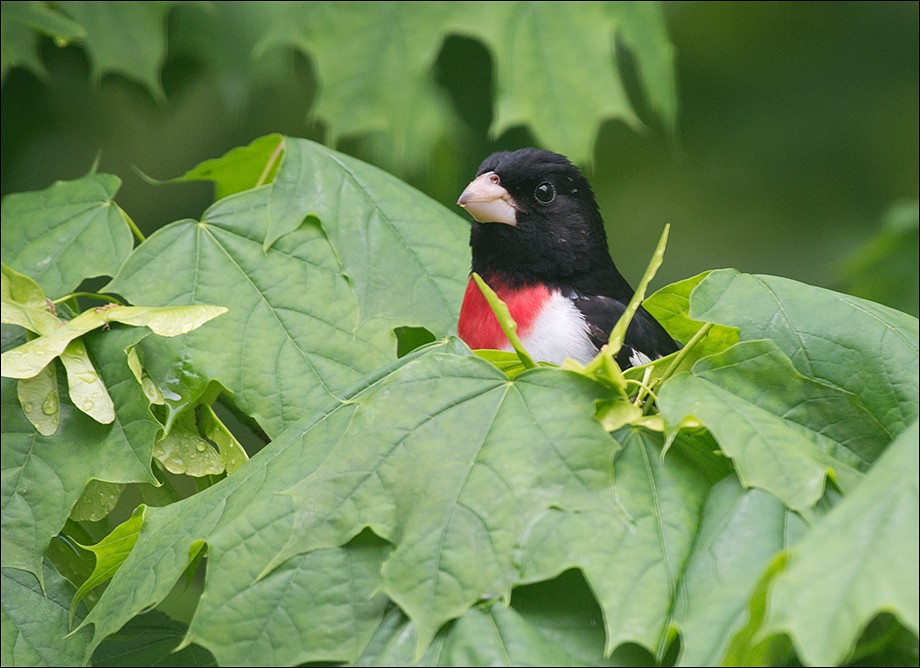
<point>110,553</point>
<point>24,303</point>
<point>97,501</point>
<point>28,359</point>
<point>618,333</point>
<point>240,168</point>
<point>231,451</point>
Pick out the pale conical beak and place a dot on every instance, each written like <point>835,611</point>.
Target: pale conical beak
<point>488,202</point>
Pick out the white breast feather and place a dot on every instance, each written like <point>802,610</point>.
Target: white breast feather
<point>558,332</point>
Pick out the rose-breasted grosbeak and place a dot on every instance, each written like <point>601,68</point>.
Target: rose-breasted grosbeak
<point>539,242</point>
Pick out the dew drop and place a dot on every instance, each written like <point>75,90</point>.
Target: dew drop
<point>50,404</point>
<point>28,407</point>
<point>201,447</point>
<point>88,405</point>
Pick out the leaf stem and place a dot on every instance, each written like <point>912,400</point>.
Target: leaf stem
<point>683,352</point>
<point>89,295</point>
<point>619,330</point>
<point>263,177</point>
<point>135,230</point>
<point>647,390</point>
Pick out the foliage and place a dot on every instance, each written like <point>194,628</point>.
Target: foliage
<point>409,500</point>
<point>378,57</point>
<point>435,483</point>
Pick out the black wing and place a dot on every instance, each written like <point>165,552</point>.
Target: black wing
<point>645,337</point>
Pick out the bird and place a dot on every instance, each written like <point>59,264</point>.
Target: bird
<point>538,240</point>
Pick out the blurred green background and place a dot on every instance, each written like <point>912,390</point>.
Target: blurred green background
<point>795,152</point>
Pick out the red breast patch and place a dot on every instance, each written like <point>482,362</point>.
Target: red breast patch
<point>478,326</point>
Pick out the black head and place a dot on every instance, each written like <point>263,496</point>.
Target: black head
<point>537,220</point>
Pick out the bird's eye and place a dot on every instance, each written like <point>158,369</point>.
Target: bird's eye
<point>545,193</point>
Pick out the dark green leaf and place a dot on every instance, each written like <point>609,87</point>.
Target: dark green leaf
<point>859,560</point>
<point>34,622</point>
<point>68,232</point>
<point>785,432</point>
<point>313,313</point>
<point>124,37</point>
<point>151,639</point>
<point>858,346</point>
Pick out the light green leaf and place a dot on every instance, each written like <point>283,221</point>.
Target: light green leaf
<point>231,451</point>
<point>45,476</point>
<point>858,561</point>
<point>68,232</point>
<point>97,501</point>
<point>86,389</point>
<point>184,451</point>
<point>618,333</point>
<point>315,312</point>
<point>33,622</point>
<point>671,307</point>
<point>151,391</point>
<point>110,553</point>
<point>241,168</point>
<point>124,37</point>
<point>771,651</point>
<point>162,320</point>
<point>856,345</point>
<point>25,304</point>
<point>38,396</point>
<point>28,359</point>
<point>785,432</point>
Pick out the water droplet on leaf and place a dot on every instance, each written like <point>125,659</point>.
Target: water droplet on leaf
<point>50,404</point>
